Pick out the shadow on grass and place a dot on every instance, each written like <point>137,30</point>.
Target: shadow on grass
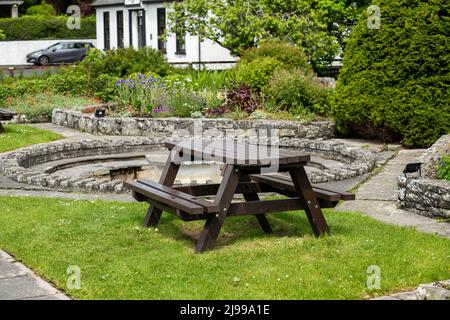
<point>237,229</point>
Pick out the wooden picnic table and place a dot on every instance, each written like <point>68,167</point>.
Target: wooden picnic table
<point>242,174</point>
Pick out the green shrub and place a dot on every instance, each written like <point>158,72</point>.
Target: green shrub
<point>395,82</point>
<point>43,9</point>
<point>289,55</point>
<point>257,72</point>
<point>124,61</point>
<point>21,87</point>
<point>296,92</point>
<point>2,35</point>
<point>184,104</point>
<point>46,27</point>
<point>444,168</point>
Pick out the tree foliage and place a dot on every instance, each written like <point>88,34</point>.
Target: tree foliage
<point>395,82</point>
<point>319,26</point>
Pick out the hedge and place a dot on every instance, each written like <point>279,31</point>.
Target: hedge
<point>395,81</point>
<point>46,27</point>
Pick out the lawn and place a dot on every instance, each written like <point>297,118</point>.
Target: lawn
<point>119,259</point>
<point>18,136</point>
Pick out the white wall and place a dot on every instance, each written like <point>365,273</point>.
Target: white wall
<point>14,52</point>
<point>210,51</point>
<point>112,28</point>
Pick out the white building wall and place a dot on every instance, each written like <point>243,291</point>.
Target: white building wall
<point>112,28</point>
<point>209,50</point>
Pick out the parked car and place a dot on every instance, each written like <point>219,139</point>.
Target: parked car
<point>61,52</point>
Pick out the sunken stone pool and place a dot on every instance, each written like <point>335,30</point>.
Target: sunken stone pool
<point>102,164</point>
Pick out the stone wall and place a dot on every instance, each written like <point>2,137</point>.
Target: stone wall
<point>426,195</point>
<point>166,127</point>
<point>431,157</point>
<point>18,164</point>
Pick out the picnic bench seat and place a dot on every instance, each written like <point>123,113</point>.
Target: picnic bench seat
<point>186,202</point>
<point>284,182</point>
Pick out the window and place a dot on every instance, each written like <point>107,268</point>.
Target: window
<point>56,46</point>
<point>106,33</point>
<point>161,29</point>
<point>120,43</point>
<point>180,43</point>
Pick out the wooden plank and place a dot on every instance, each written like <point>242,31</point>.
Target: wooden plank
<point>278,182</point>
<point>185,216</point>
<point>167,178</point>
<point>211,189</point>
<point>265,206</point>
<point>239,153</point>
<point>309,199</point>
<point>209,206</point>
<point>163,197</point>
<point>224,196</point>
<point>344,194</point>
<point>253,196</point>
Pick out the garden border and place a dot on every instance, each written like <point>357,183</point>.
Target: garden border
<point>17,165</point>
<point>427,195</point>
<point>128,126</point>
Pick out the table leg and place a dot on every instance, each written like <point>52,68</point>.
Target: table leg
<point>306,194</point>
<point>1,128</point>
<point>262,220</point>
<point>223,199</point>
<point>167,178</point>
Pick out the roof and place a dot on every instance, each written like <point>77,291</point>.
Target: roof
<point>10,2</point>
<point>100,3</point>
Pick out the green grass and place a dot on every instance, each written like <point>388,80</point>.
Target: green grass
<point>121,260</point>
<point>18,136</point>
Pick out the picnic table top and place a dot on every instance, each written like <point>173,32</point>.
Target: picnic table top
<point>230,151</point>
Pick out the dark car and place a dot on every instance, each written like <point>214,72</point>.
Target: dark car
<point>61,52</point>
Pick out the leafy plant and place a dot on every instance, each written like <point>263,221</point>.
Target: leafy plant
<point>43,9</point>
<point>241,97</point>
<point>296,92</point>
<point>42,104</point>
<point>141,95</point>
<point>289,55</point>
<point>46,27</point>
<point>184,104</point>
<point>257,72</point>
<point>444,168</point>
<point>124,61</point>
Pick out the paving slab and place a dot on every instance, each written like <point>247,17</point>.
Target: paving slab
<point>387,212</point>
<point>19,282</point>
<point>383,186</point>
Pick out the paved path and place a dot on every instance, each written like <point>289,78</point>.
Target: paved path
<point>19,282</point>
<point>377,198</point>
<point>16,280</point>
